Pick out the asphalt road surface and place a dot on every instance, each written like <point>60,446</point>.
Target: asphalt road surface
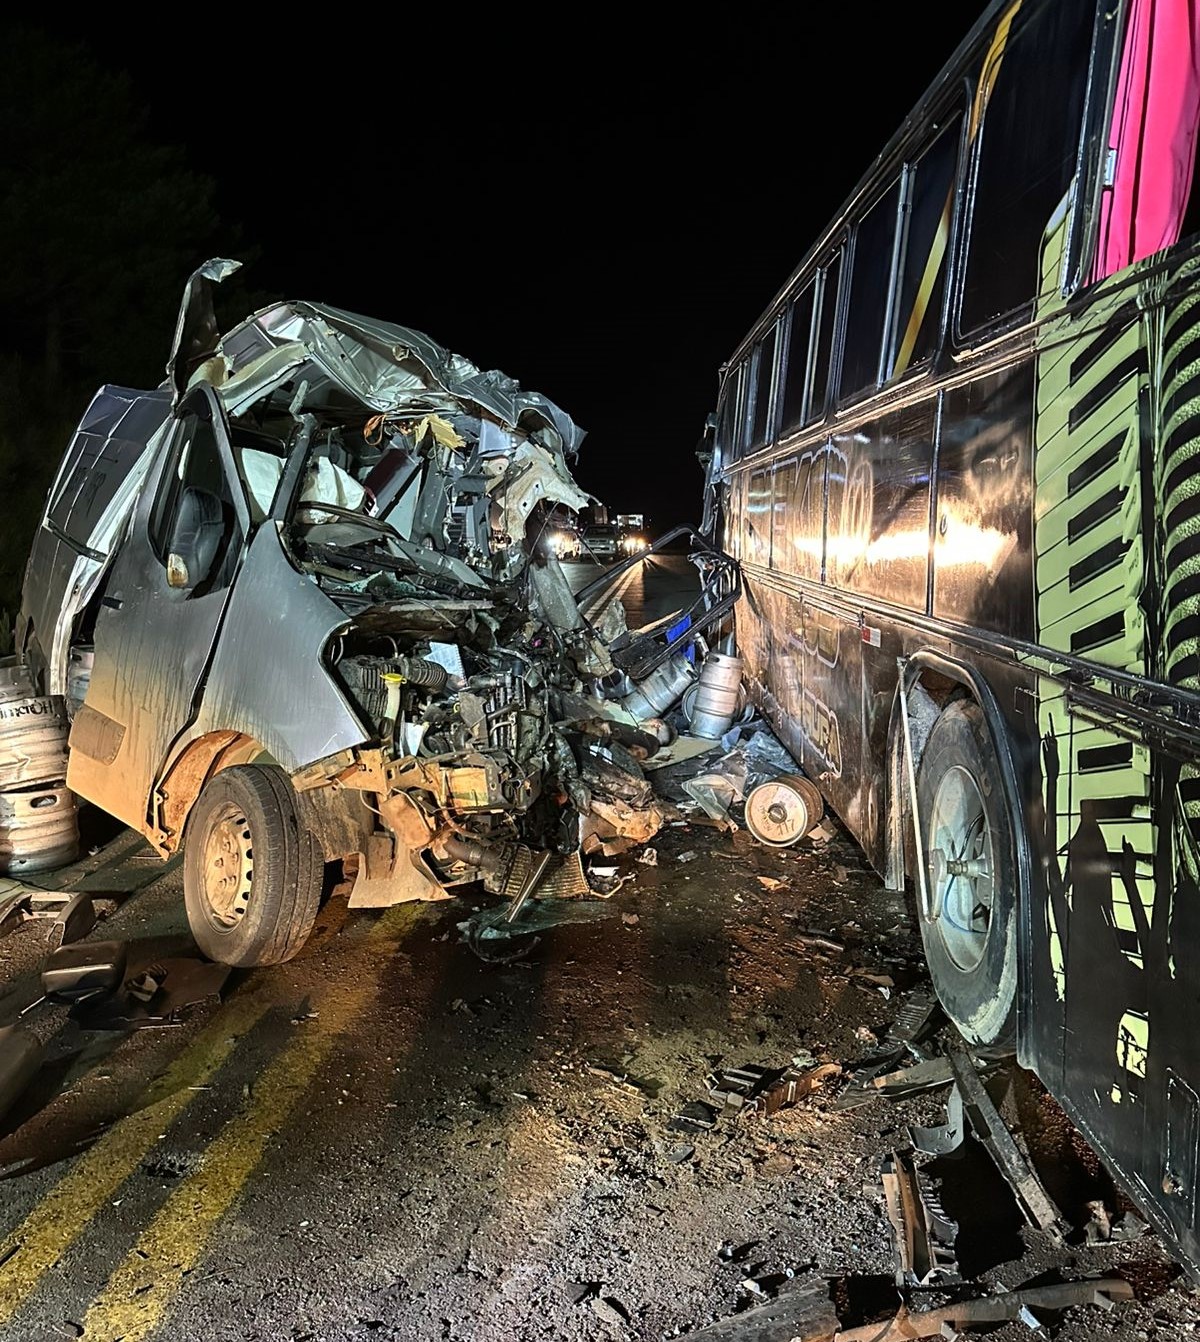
<point>390,1137</point>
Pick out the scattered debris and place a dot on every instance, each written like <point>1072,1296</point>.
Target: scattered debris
<point>947,1137</point>
<point>21,1055</point>
<point>648,857</point>
<point>917,1016</point>
<point>163,1164</point>
<point>989,1128</point>
<point>871,976</point>
<point>870,1079</point>
<point>922,1234</point>
<point>763,1090</point>
<point>1104,1292</point>
<point>630,919</point>
<point>631,1085</point>
<point>499,939</point>
<point>695,1114</point>
<point>920,1076</point>
<point>21,902</point>
<point>83,970</point>
<point>143,986</point>
<point>771,882</point>
<point>610,1310</point>
<point>802,1311</point>
<point>766,758</point>
<point>683,748</point>
<point>729,1252</point>
<point>161,996</point>
<point>717,789</point>
<point>680,1153</point>
<point>690,856</point>
<point>819,941</point>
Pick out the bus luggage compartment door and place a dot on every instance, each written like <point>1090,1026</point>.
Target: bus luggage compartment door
<point>831,709</point>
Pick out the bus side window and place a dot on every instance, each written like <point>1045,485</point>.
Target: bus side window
<point>725,440</point>
<point>795,373</point>
<point>1024,130</point>
<point>824,347</point>
<point>740,422</point>
<point>761,381</point>
<point>922,279</point>
<point>869,277</point>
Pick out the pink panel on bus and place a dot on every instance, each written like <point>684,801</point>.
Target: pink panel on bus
<point>1153,133</point>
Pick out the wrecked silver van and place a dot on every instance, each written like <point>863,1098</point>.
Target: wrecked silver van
<point>325,628</point>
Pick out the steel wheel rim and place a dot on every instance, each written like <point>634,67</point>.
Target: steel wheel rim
<point>962,868</point>
<point>228,867</point>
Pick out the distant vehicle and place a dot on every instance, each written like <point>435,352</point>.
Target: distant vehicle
<point>631,533</point>
<point>566,544</point>
<point>600,542</point>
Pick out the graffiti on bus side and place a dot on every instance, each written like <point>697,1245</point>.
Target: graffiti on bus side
<point>819,722</point>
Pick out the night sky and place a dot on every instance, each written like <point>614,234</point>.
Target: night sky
<point>599,209</point>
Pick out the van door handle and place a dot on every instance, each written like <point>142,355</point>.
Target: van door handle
<point>114,601</point>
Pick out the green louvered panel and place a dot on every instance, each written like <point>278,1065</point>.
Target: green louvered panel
<point>1088,498</point>
<point>1180,493</point>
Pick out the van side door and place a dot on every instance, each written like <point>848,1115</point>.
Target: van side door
<point>161,613</point>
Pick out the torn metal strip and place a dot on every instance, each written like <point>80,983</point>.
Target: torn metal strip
<point>922,1233</point>
<point>987,1125</point>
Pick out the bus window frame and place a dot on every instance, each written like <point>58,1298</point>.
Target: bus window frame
<point>773,333</point>
<point>809,286</point>
<point>954,107</point>
<point>753,363</point>
<point>726,438</point>
<point>835,254</point>
<point>1090,183</point>
<point>1024,313</point>
<point>894,181</point>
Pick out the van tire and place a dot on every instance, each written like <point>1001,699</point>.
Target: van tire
<point>971,947</point>
<point>252,871</point>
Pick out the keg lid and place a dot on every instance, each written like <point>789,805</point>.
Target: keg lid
<point>782,810</point>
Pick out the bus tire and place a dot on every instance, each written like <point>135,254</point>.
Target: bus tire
<point>968,907</point>
<point>252,871</point>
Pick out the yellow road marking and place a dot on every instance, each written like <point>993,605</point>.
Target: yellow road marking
<point>59,1218</point>
<point>598,607</point>
<point>137,1295</point>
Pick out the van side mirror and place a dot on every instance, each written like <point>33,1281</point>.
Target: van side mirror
<point>195,537</point>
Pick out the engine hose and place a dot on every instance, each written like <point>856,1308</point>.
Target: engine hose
<point>421,671</point>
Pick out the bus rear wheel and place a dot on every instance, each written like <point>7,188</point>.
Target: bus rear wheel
<point>967,908</point>
<point>252,871</point>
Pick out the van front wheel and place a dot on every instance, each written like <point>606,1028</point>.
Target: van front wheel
<point>252,871</point>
